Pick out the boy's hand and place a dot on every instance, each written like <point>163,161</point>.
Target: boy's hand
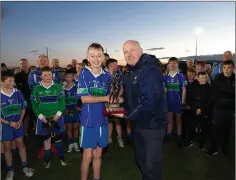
<point>198,111</point>
<point>14,125</point>
<point>187,107</point>
<point>56,117</point>
<point>18,124</point>
<point>44,120</point>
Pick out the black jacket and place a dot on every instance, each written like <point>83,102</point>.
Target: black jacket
<point>223,92</point>
<point>200,98</point>
<point>144,94</point>
<point>21,80</point>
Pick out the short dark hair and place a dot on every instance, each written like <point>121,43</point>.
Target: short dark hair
<point>85,62</point>
<point>173,59</point>
<point>69,71</point>
<point>191,70</point>
<point>45,69</point>
<point>96,46</point>
<point>201,74</point>
<point>3,65</point>
<point>109,61</point>
<point>228,62</point>
<point>201,63</point>
<point>6,75</point>
<point>105,54</point>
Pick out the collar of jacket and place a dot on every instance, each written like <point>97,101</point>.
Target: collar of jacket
<point>145,60</point>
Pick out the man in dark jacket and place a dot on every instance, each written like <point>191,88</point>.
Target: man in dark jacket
<point>223,92</point>
<point>146,106</point>
<point>21,80</point>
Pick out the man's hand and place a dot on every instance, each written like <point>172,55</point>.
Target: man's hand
<point>56,117</point>
<point>118,115</point>
<point>14,125</point>
<point>198,111</point>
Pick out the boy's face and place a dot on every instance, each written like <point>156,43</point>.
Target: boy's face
<point>8,83</point>
<point>69,78</point>
<point>173,65</point>
<point>113,66</point>
<point>202,79</point>
<point>191,76</point>
<point>228,70</point>
<point>199,68</point>
<point>95,57</point>
<point>47,76</point>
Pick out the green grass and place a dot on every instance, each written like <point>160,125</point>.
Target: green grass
<point>119,164</point>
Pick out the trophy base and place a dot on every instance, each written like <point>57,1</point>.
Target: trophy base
<point>114,109</point>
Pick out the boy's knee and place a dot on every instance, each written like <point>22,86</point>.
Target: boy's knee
<point>87,156</point>
<point>97,154</point>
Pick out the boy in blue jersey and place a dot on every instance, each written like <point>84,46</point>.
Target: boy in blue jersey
<point>72,114</point>
<point>93,91</point>
<point>13,107</point>
<point>175,83</point>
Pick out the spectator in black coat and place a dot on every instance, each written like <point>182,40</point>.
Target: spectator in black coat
<point>223,93</point>
<point>199,100</point>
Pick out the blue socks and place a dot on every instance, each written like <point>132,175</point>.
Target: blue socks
<point>60,149</point>
<point>24,164</point>
<point>10,168</point>
<point>47,154</point>
<point>130,136</point>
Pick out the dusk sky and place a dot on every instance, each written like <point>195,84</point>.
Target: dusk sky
<point>67,28</point>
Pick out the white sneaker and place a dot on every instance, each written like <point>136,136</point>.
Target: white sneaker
<point>47,165</point>
<point>76,147</point>
<point>120,142</point>
<point>70,148</point>
<point>63,163</point>
<point>10,175</point>
<point>109,140</point>
<point>29,172</point>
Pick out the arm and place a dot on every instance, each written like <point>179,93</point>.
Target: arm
<point>183,86</point>
<point>31,80</point>
<point>183,95</point>
<point>83,92</point>
<point>151,85</point>
<point>23,107</point>
<point>35,104</point>
<point>62,102</point>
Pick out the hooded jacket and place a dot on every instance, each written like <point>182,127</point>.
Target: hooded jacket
<point>144,94</point>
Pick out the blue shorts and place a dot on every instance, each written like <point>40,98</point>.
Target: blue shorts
<point>74,119</point>
<point>93,137</point>
<point>42,132</point>
<point>175,107</point>
<point>9,133</point>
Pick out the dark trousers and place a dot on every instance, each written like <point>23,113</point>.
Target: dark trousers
<point>148,152</point>
<point>221,129</point>
<point>201,124</point>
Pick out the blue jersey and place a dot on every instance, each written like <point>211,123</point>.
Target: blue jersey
<point>91,85</point>
<point>174,87</point>
<point>34,78</point>
<point>12,105</point>
<point>71,99</point>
